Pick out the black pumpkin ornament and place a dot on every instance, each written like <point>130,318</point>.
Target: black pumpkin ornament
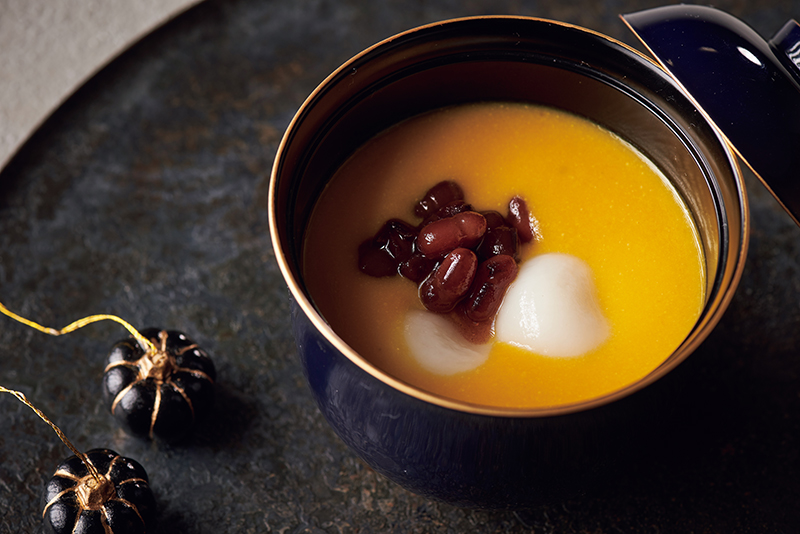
<point>156,383</point>
<point>118,501</point>
<point>158,390</point>
<point>99,492</point>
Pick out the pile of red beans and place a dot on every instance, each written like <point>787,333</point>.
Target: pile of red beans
<point>462,259</point>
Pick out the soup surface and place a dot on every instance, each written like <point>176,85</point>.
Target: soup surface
<point>593,196</point>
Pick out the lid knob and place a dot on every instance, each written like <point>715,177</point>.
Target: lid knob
<point>787,43</point>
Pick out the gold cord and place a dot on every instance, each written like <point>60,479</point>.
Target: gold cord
<point>21,396</point>
<point>145,343</point>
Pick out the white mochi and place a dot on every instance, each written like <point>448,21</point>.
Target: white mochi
<point>439,347</point>
<point>551,308</point>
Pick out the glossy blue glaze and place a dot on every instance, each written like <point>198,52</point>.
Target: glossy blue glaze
<point>466,459</point>
<point>749,88</point>
<point>787,46</point>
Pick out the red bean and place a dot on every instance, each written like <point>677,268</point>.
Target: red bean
<point>493,219</point>
<point>492,279</point>
<point>520,218</point>
<point>478,333</point>
<point>417,267</point>
<point>392,245</point>
<point>448,210</point>
<point>462,230</point>
<point>449,282</point>
<point>375,261</point>
<point>499,240</point>
<point>437,196</point>
<point>398,238</point>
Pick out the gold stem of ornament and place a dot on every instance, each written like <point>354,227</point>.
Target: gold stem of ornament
<point>21,396</point>
<point>145,343</point>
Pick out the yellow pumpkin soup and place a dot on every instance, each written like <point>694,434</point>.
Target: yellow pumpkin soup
<point>593,199</point>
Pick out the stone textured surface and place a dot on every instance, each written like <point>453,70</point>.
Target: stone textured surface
<point>144,195</point>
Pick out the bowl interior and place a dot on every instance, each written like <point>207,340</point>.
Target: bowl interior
<point>519,60</point>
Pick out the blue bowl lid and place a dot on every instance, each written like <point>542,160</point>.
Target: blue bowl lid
<point>748,87</point>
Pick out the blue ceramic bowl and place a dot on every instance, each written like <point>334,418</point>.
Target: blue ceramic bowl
<point>470,455</point>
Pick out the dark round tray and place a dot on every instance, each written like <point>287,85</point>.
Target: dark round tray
<point>144,196</point>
